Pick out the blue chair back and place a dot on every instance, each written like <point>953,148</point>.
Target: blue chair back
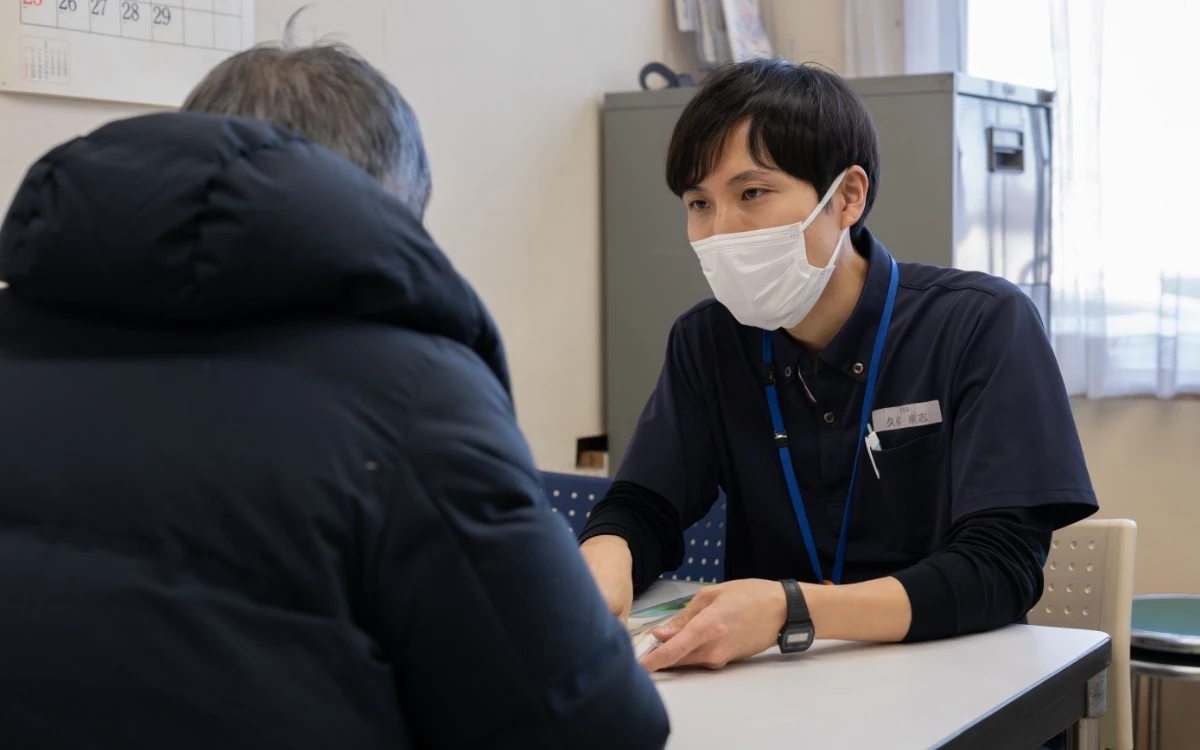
<point>572,496</point>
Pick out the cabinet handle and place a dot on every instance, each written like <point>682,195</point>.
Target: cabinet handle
<point>1006,150</point>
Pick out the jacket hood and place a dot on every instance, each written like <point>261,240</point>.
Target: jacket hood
<point>187,218</point>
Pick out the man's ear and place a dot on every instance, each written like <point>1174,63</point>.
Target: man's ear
<point>853,192</point>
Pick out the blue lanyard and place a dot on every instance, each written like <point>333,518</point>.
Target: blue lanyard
<point>781,439</point>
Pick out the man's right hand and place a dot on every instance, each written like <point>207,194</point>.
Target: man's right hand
<point>611,564</point>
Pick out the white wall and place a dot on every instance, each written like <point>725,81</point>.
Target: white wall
<point>511,110</point>
<point>808,30</point>
<point>1144,458</point>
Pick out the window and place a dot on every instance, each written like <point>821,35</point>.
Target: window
<point>996,27</point>
<point>1126,264</point>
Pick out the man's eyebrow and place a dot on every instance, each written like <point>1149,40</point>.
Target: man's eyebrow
<point>747,175</point>
<point>737,179</point>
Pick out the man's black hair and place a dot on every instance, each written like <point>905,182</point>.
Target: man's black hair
<point>804,119</point>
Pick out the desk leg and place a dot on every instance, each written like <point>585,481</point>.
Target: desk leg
<point>1085,733</point>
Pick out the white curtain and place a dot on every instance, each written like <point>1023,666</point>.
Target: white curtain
<point>1126,263</point>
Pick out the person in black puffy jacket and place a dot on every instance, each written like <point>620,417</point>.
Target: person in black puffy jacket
<point>261,485</point>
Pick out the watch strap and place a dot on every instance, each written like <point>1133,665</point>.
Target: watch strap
<point>797,607</point>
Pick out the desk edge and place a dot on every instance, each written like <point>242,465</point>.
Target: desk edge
<point>997,727</point>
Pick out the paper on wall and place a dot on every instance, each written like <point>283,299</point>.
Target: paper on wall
<point>712,40</point>
<point>686,15</point>
<point>747,36</point>
<point>118,50</point>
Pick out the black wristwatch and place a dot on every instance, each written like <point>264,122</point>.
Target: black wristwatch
<point>797,633</point>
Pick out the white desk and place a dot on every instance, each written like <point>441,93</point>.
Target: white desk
<point>1014,687</point>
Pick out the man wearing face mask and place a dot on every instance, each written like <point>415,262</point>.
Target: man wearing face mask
<point>896,430</point>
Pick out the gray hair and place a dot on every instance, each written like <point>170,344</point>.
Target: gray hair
<point>328,94</point>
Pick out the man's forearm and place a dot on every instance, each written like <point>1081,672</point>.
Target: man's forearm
<point>987,575</point>
<point>646,522</point>
<point>876,610</point>
<point>614,545</point>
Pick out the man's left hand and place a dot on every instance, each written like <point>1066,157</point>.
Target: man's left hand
<point>723,623</point>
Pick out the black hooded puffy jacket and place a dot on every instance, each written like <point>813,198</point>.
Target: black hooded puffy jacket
<point>261,485</point>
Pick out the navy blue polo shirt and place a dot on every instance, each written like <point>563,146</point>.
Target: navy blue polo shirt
<point>972,343</point>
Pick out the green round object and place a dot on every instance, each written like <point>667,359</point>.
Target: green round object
<point>1167,622</point>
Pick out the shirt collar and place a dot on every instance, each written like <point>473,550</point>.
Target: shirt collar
<point>850,349</point>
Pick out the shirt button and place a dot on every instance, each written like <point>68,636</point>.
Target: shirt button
<point>787,372</point>
<point>858,368</point>
<point>830,417</point>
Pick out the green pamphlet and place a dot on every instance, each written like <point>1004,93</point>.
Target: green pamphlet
<point>642,621</point>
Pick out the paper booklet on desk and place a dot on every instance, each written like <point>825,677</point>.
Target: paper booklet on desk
<point>642,621</point>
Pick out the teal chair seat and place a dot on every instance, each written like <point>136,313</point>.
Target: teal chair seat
<point>1169,623</point>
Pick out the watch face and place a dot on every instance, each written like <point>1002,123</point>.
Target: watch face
<point>796,638</point>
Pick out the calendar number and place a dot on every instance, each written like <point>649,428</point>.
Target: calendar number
<point>98,7</point>
<point>129,12</point>
<point>162,15</point>
<point>32,3</point>
<point>68,5</point>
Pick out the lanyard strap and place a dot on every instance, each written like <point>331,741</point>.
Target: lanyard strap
<point>781,438</point>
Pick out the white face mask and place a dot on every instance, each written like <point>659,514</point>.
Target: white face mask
<point>763,276</point>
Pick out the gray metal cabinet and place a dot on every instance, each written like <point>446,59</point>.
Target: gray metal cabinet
<point>651,275</point>
<point>965,182</point>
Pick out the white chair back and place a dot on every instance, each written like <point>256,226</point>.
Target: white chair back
<point>1089,584</point>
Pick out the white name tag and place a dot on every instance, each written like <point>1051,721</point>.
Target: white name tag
<point>910,415</point>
